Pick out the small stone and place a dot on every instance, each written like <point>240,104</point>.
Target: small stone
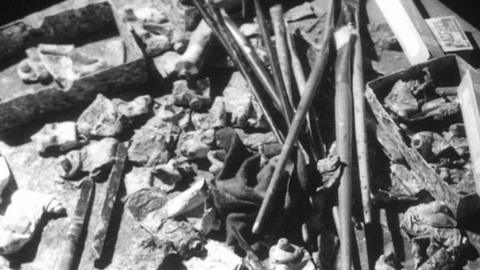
<point>56,137</point>
<point>153,143</point>
<point>138,178</point>
<point>101,119</point>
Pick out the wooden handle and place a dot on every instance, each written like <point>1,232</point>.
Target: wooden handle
<point>65,259</point>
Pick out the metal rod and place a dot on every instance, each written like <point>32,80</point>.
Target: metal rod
<point>297,123</point>
<point>276,15</point>
<point>254,60</point>
<point>223,36</point>
<point>299,75</point>
<point>344,138</point>
<point>274,63</point>
<point>359,116</point>
<point>114,181</point>
<point>75,229</point>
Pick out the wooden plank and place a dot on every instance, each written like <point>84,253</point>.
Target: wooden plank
<point>422,27</point>
<point>404,29</point>
<point>394,140</point>
<point>435,8</point>
<point>76,25</point>
<point>133,52</point>
<point>114,182</point>
<point>69,26</point>
<point>469,96</point>
<point>30,106</point>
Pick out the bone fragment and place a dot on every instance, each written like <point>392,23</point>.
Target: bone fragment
<point>191,60</point>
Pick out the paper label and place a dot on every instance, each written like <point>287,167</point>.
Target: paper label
<point>449,34</point>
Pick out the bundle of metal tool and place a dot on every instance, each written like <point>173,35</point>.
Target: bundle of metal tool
<point>286,96</point>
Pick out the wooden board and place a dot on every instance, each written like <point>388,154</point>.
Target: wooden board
<point>469,96</point>
<point>76,26</point>
<point>450,67</point>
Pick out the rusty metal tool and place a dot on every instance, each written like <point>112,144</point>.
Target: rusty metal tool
<point>114,181</point>
<point>297,123</point>
<point>276,14</point>
<point>274,62</point>
<point>75,229</point>
<point>358,88</point>
<point>344,137</point>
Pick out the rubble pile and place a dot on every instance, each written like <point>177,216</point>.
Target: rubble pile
<point>250,147</point>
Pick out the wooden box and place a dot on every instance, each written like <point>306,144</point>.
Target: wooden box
<point>447,70</point>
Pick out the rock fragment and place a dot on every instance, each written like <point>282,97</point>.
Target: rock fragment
<point>101,119</point>
<point>109,118</point>
<point>32,70</point>
<point>181,238</point>
<point>195,144</point>
<point>56,137</point>
<point>95,159</point>
<point>194,94</point>
<point>139,106</point>
<point>144,201</point>
<point>138,178</point>
<point>153,143</point>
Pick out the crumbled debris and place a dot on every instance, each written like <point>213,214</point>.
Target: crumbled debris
<point>238,100</point>
<point>167,174</point>
<point>179,237</point>
<point>32,70</point>
<point>215,118</point>
<point>432,227</point>
<point>140,106</point>
<point>101,119</point>
<point>56,137</point>
<point>166,109</point>
<point>165,63</point>
<point>109,118</point>
<point>196,144</point>
<point>143,201</point>
<point>387,261</point>
<point>153,143</point>
<point>194,94</point>
<point>94,159</point>
<point>138,178</point>
<point>22,216</point>
<point>383,38</point>
<point>219,257</point>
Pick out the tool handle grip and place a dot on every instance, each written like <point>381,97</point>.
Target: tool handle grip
<point>65,259</point>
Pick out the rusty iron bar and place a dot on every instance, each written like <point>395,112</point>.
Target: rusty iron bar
<point>274,63</point>
<point>318,150</point>
<point>281,47</point>
<point>344,137</point>
<point>358,88</point>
